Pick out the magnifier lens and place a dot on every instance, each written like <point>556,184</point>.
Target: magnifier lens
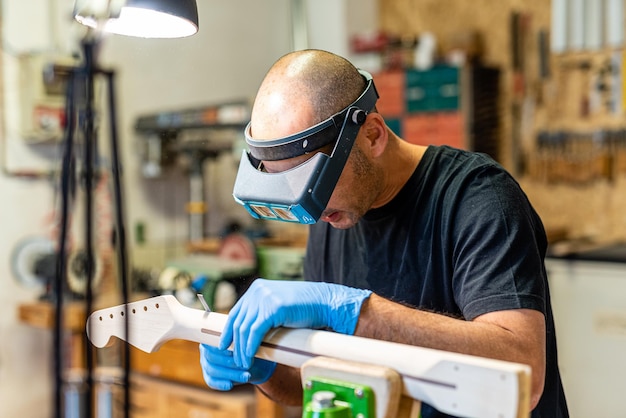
<point>285,214</point>
<point>263,211</point>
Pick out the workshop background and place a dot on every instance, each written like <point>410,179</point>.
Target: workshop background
<point>536,84</point>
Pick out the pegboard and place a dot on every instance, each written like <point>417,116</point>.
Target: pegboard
<point>451,21</point>
<point>586,209</point>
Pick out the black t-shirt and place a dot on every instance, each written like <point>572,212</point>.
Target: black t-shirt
<point>460,238</point>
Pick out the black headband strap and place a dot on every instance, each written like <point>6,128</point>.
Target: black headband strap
<point>315,137</point>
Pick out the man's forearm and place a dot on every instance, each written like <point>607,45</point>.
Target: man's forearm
<point>284,386</point>
<point>515,335</point>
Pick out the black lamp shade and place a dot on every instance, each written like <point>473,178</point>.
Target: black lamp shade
<point>150,19</point>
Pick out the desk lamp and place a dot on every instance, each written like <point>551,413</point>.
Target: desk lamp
<point>141,18</point>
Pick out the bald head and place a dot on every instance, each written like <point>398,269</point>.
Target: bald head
<point>301,89</point>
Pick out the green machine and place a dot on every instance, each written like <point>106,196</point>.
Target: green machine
<point>334,388</point>
<point>324,398</point>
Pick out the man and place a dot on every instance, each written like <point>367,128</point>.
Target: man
<point>427,246</point>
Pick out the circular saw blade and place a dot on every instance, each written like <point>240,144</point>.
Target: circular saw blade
<point>77,277</point>
<point>24,258</point>
<point>237,246</point>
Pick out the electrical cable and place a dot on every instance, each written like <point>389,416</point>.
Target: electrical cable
<point>89,141</point>
<point>86,76</point>
<point>91,70</point>
<point>67,169</point>
<point>120,235</point>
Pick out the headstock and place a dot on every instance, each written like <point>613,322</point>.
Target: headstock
<point>151,322</point>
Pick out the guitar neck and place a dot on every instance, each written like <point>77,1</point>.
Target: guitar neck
<point>452,383</point>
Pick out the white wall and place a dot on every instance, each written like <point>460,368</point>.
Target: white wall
<point>589,301</point>
<point>237,43</point>
<point>332,23</point>
<point>226,60</point>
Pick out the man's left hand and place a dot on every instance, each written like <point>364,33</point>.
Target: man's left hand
<point>221,373</point>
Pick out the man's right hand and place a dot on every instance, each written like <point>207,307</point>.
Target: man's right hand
<point>270,304</point>
<point>221,373</point>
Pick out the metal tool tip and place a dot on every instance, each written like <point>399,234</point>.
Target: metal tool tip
<point>203,302</point>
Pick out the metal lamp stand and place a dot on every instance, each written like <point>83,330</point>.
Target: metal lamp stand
<point>80,117</point>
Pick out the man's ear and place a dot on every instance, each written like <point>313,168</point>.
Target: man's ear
<point>376,134</point>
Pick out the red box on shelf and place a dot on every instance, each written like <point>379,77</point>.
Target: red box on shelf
<point>434,129</point>
<point>419,129</point>
<point>390,87</point>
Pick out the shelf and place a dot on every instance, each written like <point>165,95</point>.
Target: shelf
<point>42,315</point>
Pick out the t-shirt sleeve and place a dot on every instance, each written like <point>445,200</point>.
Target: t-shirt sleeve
<point>498,246</point>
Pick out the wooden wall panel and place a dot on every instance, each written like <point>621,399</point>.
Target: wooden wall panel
<point>448,19</point>
<point>594,210</point>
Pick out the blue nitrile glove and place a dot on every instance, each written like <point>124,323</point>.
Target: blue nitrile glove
<point>221,373</point>
<point>269,304</point>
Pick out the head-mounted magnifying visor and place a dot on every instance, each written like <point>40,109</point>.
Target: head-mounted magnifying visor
<point>301,193</point>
